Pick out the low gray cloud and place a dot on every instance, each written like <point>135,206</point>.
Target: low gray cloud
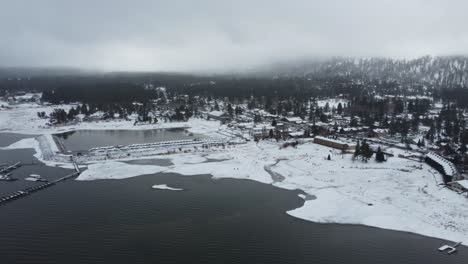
<point>212,35</point>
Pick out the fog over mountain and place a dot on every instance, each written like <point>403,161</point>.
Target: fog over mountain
<point>219,35</point>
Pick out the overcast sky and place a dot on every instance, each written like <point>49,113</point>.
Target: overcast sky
<point>194,35</point>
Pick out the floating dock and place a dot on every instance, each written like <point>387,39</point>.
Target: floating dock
<point>10,168</point>
<point>31,190</point>
<point>451,249</point>
<point>6,177</point>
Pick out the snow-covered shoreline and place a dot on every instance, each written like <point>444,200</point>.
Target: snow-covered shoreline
<point>23,119</point>
<point>165,187</point>
<point>399,194</point>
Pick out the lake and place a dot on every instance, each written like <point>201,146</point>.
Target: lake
<point>210,221</point>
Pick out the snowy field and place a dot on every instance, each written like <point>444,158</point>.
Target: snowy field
<point>399,194</point>
<point>23,119</point>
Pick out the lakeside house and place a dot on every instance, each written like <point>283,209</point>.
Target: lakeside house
<point>293,120</point>
<point>296,134</point>
<point>219,115</point>
<point>261,130</point>
<point>334,143</point>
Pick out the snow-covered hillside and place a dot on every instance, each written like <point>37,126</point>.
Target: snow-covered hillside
<point>23,119</point>
<point>437,71</point>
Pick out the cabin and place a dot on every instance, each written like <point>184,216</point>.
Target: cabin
<point>296,134</point>
<point>262,131</point>
<point>219,115</point>
<point>334,143</point>
<point>293,120</point>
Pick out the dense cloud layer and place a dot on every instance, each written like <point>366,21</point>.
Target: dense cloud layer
<point>194,35</point>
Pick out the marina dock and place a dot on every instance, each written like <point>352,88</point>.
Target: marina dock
<point>451,249</point>
<point>5,171</point>
<point>30,190</point>
<point>10,168</point>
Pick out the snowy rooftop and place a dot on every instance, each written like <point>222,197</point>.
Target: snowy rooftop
<point>296,134</point>
<point>216,113</point>
<point>294,119</point>
<point>334,140</point>
<point>449,169</point>
<point>28,96</point>
<point>266,127</point>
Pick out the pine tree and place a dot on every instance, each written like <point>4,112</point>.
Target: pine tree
<point>84,110</point>
<point>230,110</point>
<point>380,156</point>
<point>340,109</point>
<point>327,108</point>
<point>366,152</point>
<point>357,151</point>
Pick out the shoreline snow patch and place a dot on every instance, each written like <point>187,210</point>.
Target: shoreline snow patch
<point>165,187</point>
<point>117,171</point>
<point>25,143</point>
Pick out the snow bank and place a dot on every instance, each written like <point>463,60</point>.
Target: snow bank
<point>25,143</point>
<point>42,151</point>
<point>116,170</point>
<point>52,143</point>
<point>165,187</point>
<point>242,166</point>
<point>334,207</point>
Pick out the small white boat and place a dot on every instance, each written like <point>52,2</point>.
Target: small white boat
<point>35,177</point>
<point>6,177</point>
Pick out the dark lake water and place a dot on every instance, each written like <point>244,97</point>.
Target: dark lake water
<point>82,140</point>
<point>10,138</point>
<point>210,221</point>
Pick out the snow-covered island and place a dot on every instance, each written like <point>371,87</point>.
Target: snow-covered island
<point>399,194</point>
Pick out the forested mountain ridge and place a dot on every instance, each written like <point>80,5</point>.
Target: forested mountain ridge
<point>439,72</point>
<point>440,77</point>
